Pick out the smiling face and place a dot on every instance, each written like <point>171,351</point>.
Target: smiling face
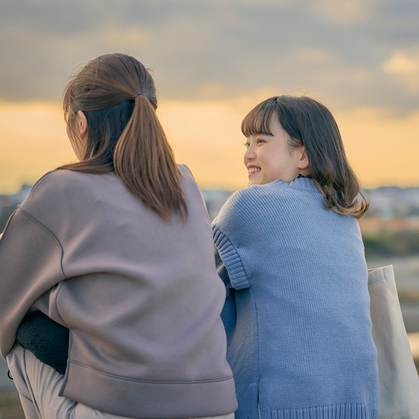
<point>269,157</point>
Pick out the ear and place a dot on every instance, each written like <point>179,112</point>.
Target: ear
<point>82,124</point>
<point>302,159</point>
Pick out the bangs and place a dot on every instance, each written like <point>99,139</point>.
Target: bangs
<point>258,120</point>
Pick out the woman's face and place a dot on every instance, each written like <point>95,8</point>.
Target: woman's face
<point>269,157</point>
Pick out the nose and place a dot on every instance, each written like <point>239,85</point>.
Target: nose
<point>249,154</point>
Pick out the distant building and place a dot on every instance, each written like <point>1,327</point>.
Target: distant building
<point>390,202</point>
<point>17,198</point>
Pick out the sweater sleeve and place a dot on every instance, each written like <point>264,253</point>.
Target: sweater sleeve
<point>243,228</point>
<point>30,264</point>
<point>231,230</point>
<point>229,263</point>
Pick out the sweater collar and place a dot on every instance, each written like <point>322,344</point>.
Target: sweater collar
<point>303,183</point>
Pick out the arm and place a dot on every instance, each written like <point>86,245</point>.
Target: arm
<point>245,224</point>
<point>223,273</point>
<point>46,339</point>
<point>30,264</point>
<point>227,231</point>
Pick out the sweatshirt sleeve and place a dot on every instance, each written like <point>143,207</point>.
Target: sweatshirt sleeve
<point>30,264</point>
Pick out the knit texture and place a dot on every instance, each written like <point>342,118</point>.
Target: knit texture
<point>297,312</point>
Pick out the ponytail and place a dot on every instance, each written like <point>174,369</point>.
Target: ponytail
<point>117,95</point>
<point>144,161</point>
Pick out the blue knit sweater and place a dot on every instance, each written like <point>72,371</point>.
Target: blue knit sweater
<point>297,309</point>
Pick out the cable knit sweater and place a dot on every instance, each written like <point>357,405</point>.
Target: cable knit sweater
<point>297,312</point>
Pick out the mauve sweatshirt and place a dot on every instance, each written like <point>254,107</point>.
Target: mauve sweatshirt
<point>140,296</point>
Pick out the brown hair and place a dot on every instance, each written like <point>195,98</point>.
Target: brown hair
<point>118,97</point>
<point>310,124</point>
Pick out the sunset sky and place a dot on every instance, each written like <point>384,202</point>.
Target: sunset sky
<point>212,61</point>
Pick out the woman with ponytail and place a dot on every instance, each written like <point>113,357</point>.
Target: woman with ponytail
<point>110,302</point>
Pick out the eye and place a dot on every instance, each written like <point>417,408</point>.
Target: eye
<point>260,141</point>
<point>246,145</point>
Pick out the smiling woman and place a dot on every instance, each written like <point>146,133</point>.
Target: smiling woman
<point>290,253</point>
<point>290,137</point>
<point>269,157</point>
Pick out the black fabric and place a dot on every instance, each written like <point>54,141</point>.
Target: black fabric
<point>46,339</point>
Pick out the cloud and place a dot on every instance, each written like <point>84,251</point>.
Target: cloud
<point>214,49</point>
<point>404,66</point>
<point>402,63</point>
<point>346,11</point>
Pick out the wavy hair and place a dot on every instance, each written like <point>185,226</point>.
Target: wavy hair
<point>310,124</point>
<point>118,97</point>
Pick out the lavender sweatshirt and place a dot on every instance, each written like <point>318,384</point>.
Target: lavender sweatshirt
<point>140,296</point>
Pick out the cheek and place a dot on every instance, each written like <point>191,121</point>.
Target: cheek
<point>274,163</point>
<point>269,158</point>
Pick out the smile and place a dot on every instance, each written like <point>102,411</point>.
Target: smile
<point>252,170</point>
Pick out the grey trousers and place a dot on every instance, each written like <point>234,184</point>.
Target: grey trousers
<point>38,385</point>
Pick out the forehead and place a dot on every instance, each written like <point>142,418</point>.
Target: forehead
<point>276,128</point>
<point>276,131</point>
<point>258,120</point>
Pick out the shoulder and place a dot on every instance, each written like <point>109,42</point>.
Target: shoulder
<point>186,176</point>
<point>264,206</point>
<point>184,171</point>
<point>60,189</point>
<point>187,179</point>
<point>192,192</point>
<point>57,180</point>
<point>249,210</point>
<point>255,200</point>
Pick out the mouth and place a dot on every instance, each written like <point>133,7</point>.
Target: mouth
<point>251,170</point>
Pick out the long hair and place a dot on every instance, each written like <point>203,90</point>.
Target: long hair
<point>310,124</point>
<point>118,97</point>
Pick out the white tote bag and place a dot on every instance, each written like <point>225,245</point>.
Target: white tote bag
<point>398,379</point>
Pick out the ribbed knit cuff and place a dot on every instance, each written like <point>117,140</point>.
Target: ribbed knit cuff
<point>231,259</point>
<point>342,411</point>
